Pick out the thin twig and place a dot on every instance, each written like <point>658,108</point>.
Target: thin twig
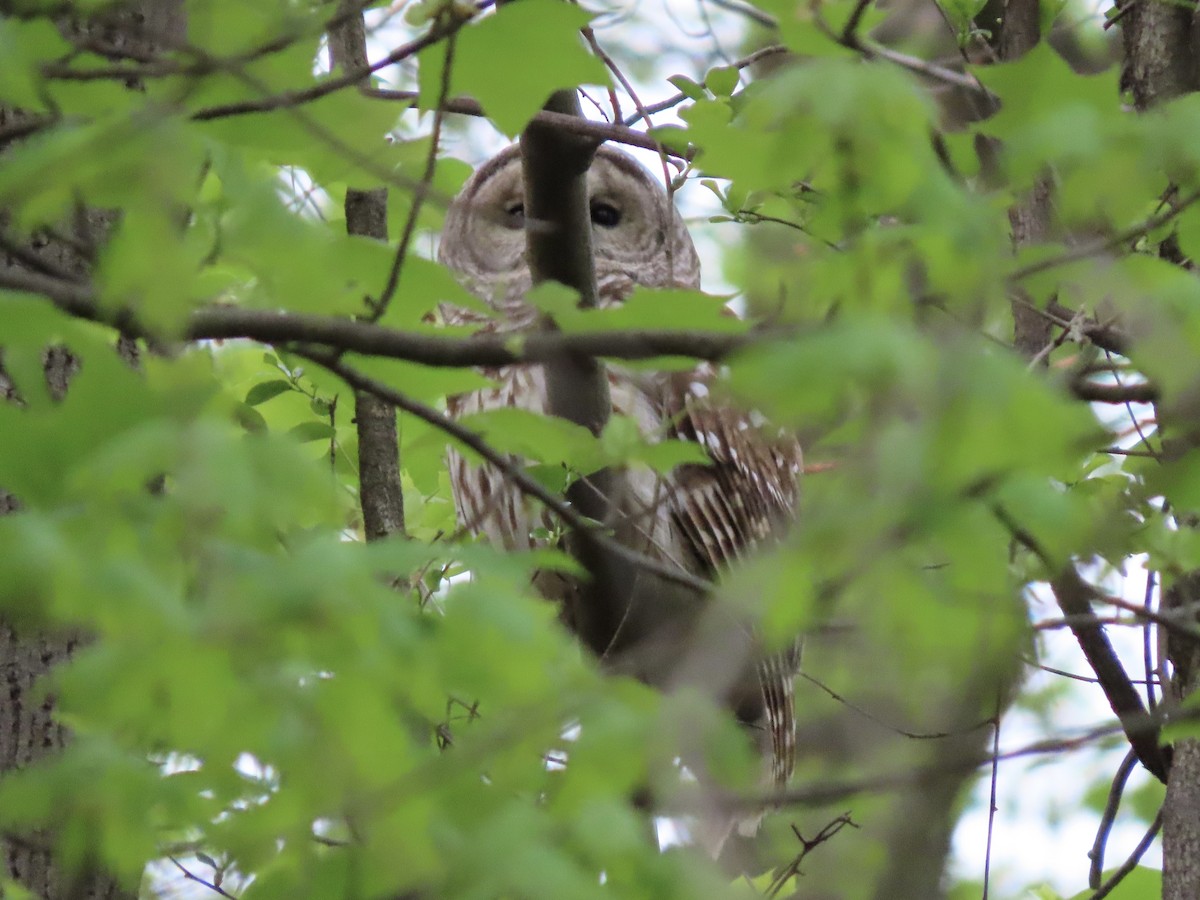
<point>380,305</point>
<point>807,845</point>
<point>1074,596</point>
<point>742,9</point>
<point>829,791</point>
<point>1171,621</point>
<point>1119,394</point>
<point>1097,248</point>
<point>676,99</point>
<point>598,131</point>
<point>872,50</point>
<point>995,781</point>
<point>190,876</point>
<point>24,127</point>
<point>850,32</point>
<point>1121,12</point>
<point>914,735</point>
<point>1089,679</point>
<point>1134,858</point>
<point>1111,807</point>
<point>290,99</point>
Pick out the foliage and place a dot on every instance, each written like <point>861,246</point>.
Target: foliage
<point>306,714</point>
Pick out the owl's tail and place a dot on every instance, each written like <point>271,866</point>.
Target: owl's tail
<point>776,676</point>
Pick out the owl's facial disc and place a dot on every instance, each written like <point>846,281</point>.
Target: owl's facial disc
<point>636,233</point>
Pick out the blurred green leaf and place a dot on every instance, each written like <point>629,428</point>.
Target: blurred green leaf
<point>544,30</point>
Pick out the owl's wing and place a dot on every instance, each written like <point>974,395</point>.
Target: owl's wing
<point>747,493</point>
<point>743,498</point>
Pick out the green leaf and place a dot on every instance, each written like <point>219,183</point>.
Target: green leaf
<point>962,13</point>
<point>265,390</point>
<point>722,80</point>
<point>664,456</point>
<point>24,47</point>
<point>655,308</point>
<point>250,419</point>
<point>687,87</point>
<point>546,439</point>
<point>1142,883</point>
<point>312,431</point>
<point>542,30</point>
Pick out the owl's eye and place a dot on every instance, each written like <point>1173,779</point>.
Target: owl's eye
<point>514,215</point>
<point>605,215</point>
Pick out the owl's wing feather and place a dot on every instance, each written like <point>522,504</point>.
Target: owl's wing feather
<point>737,501</point>
<point>729,507</point>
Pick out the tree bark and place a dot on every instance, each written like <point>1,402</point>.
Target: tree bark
<point>1030,217</point>
<point>559,240</point>
<point>28,728</point>
<point>1159,60</point>
<point>1160,64</point>
<point>380,495</point>
<point>1181,807</point>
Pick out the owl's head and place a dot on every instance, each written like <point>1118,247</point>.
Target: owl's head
<point>638,237</point>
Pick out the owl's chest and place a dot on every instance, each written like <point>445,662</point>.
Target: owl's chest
<point>489,505</point>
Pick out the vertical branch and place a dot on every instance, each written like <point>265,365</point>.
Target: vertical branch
<point>1181,807</point>
<point>29,729</point>
<point>1160,63</point>
<point>558,232</point>
<point>1030,216</point>
<point>380,495</point>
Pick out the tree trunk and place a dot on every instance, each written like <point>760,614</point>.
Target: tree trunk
<point>1159,65</point>
<point>380,495</point>
<point>28,729</point>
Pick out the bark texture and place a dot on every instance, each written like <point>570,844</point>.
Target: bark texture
<point>28,729</point>
<point>1181,808</point>
<point>559,241</point>
<point>1030,220</point>
<point>1030,217</point>
<point>1159,59</point>
<point>1160,64</point>
<point>380,495</point>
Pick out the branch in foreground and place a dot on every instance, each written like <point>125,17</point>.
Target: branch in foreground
<point>826,791</point>
<point>588,128</point>
<point>1074,596</point>
<point>381,494</point>
<point>1106,245</point>
<point>586,528</point>
<point>291,99</point>
<point>489,351</point>
<point>486,350</point>
<point>1144,392</point>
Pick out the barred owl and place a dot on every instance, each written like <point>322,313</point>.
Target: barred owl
<point>701,518</point>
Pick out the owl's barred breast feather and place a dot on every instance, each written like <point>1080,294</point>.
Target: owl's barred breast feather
<point>701,517</point>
